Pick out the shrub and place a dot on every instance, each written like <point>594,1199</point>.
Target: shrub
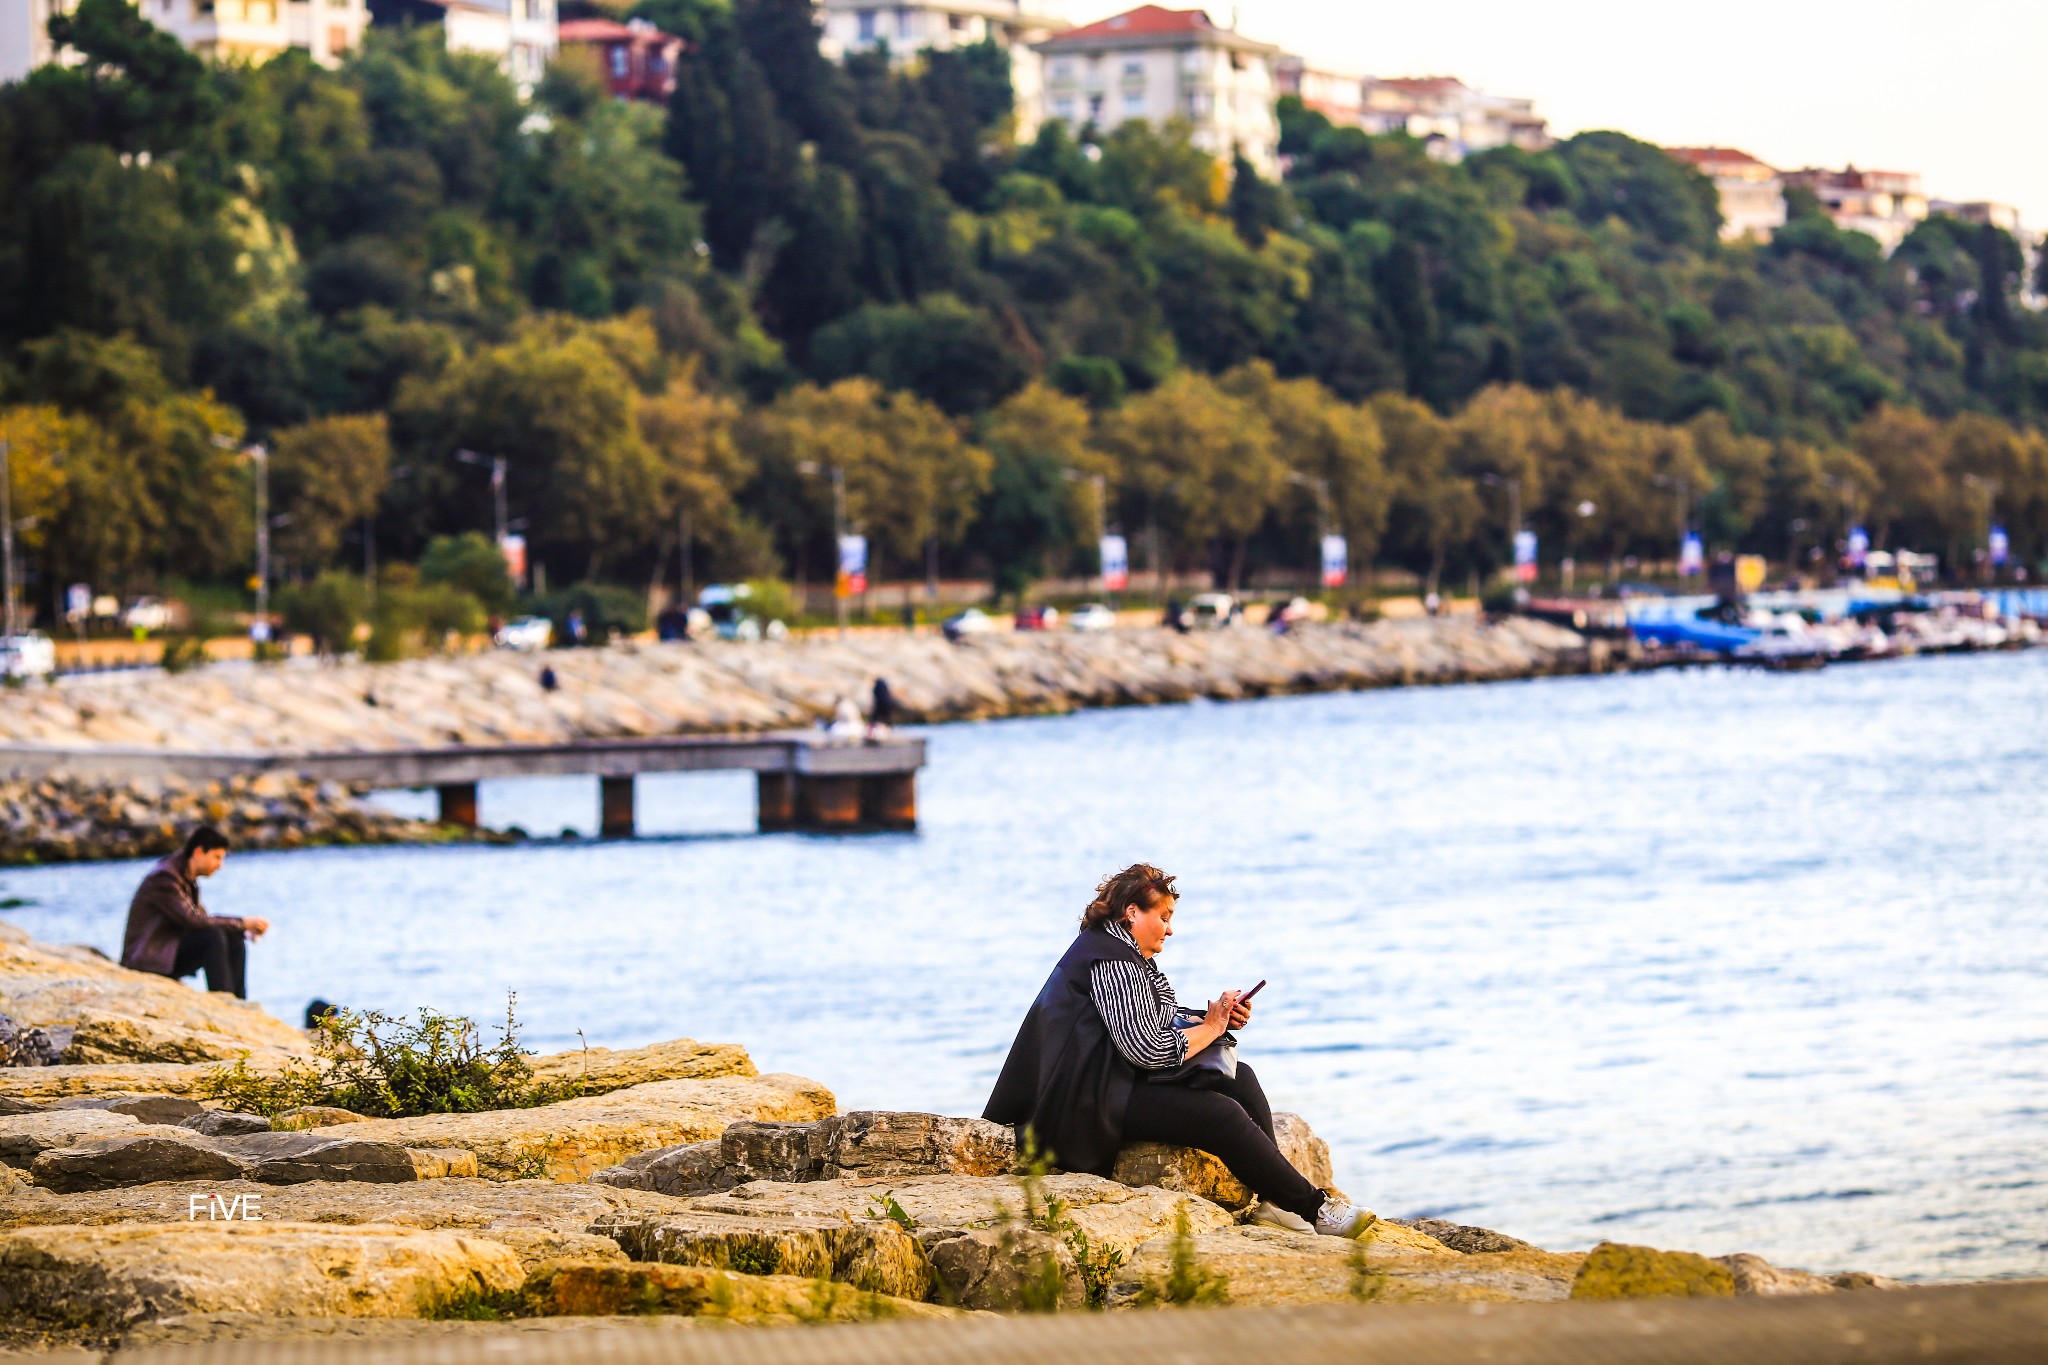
<point>329,609</point>
<point>471,563</point>
<point>384,1067</point>
<point>607,611</point>
<point>182,652</point>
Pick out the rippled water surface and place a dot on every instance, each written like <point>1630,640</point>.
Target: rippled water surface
<point>1716,960</point>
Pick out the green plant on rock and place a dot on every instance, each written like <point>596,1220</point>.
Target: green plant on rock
<point>385,1067</point>
<point>884,1205</point>
<point>753,1258</point>
<point>1187,1280</point>
<point>1051,1214</point>
<point>1367,1282</point>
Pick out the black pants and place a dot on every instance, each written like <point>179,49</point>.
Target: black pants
<point>1234,1125</point>
<point>220,953</point>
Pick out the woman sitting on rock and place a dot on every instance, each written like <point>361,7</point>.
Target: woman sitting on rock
<point>1100,1061</point>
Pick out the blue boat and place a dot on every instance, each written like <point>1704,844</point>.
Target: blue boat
<point>1707,636</point>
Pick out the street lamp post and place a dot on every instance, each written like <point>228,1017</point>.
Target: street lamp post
<point>262,459</point>
<point>838,527</point>
<point>1321,488</point>
<point>496,464</point>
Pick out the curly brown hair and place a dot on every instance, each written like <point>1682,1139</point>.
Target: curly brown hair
<point>1138,887</point>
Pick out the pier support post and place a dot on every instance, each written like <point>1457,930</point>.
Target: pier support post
<point>774,801</point>
<point>827,802</point>
<point>615,807</point>
<point>458,803</point>
<point>889,800</point>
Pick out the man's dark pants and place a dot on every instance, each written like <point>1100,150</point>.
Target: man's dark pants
<point>220,953</point>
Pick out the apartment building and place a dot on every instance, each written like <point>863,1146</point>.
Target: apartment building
<point>230,30</point>
<point>1338,96</point>
<point>1450,118</point>
<point>522,35</point>
<point>1752,193</point>
<point>916,26</point>
<point>1158,64</point>
<point>1885,204</point>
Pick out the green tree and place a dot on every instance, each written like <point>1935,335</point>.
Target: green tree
<point>328,475</point>
<point>471,564</point>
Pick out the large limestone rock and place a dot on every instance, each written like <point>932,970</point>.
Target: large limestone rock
<point>575,1138</point>
<point>537,1219</point>
<point>592,1288</point>
<point>1192,1171</point>
<point>105,1278</point>
<point>165,1109</point>
<point>1392,1264</point>
<point>1111,1215</point>
<point>48,1084</point>
<point>1754,1275</point>
<point>861,1143</point>
<point>24,1137</point>
<point>599,1070</point>
<point>144,1154</point>
<point>871,1254</point>
<point>118,1016</point>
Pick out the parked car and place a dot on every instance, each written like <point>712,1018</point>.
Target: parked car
<point>1213,611</point>
<point>1038,618</point>
<point>527,632</point>
<point>1094,616</point>
<point>973,621</point>
<point>724,604</point>
<point>27,656</point>
<point>146,614</point>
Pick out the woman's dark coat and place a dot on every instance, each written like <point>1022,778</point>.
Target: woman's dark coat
<point>1064,1083</point>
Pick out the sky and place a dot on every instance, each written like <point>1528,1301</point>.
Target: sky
<point>1949,89</point>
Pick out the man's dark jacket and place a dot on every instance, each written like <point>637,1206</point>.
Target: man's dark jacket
<point>165,909</point>
<point>1065,1082</point>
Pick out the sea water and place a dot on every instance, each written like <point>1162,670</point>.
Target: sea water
<point>1727,961</point>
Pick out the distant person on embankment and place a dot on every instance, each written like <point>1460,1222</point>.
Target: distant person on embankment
<point>1105,1057</point>
<point>169,932</point>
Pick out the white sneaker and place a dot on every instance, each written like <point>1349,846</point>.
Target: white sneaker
<point>1338,1219</point>
<point>1273,1216</point>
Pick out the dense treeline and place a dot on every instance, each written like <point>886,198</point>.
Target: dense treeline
<point>675,325</point>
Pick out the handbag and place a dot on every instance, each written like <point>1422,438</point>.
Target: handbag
<point>1211,1068</point>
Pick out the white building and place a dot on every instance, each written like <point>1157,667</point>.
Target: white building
<point>1338,96</point>
<point>1752,194</point>
<point>522,35</point>
<point>916,26</point>
<point>228,30</point>
<point>1450,118</point>
<point>1886,205</point>
<point>1158,64</point>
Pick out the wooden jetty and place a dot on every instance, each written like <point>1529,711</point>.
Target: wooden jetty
<point>803,781</point>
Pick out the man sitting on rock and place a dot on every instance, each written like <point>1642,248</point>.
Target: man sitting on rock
<point>170,933</point>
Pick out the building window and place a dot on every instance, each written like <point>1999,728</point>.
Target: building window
<point>906,24</point>
<point>1134,68</point>
<point>1134,104</point>
<point>1063,68</point>
<point>1094,107</point>
<point>957,22</point>
<point>620,62</point>
<point>864,22</point>
<point>1063,106</point>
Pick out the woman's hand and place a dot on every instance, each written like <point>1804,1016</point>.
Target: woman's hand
<point>1222,1010</point>
<point>1240,1012</point>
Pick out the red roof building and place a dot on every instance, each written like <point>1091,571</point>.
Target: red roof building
<point>638,59</point>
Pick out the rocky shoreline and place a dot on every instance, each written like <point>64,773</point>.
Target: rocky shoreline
<point>679,1184</point>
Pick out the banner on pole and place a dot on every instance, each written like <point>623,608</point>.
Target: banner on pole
<point>1692,555</point>
<point>514,550</point>
<point>77,602</point>
<point>1859,546</point>
<point>1525,556</point>
<point>2001,547</point>
<point>853,567</point>
<point>1336,561</point>
<point>1116,564</point>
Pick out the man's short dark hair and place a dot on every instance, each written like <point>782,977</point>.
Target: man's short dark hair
<point>205,839</point>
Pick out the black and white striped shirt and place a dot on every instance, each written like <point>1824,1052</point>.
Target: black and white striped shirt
<point>1136,1001</point>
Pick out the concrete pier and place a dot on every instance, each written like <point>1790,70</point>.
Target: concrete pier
<point>803,781</point>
